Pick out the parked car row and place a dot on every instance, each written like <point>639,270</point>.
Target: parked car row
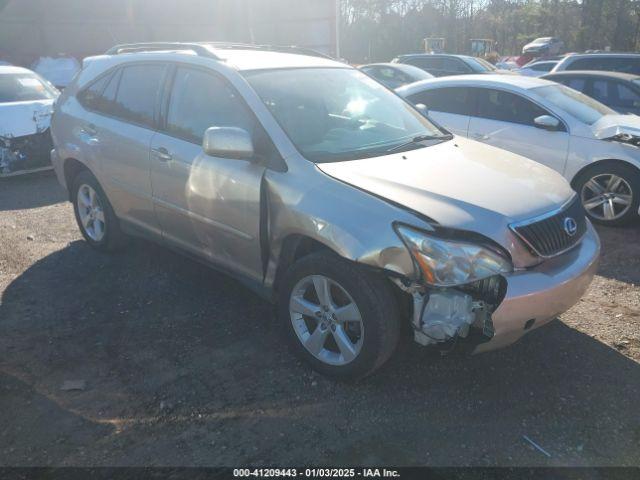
<point>592,146</point>
<point>333,197</point>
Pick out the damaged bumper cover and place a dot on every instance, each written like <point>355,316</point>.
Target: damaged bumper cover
<point>527,300</point>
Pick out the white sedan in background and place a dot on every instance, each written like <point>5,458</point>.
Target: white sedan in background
<point>597,150</point>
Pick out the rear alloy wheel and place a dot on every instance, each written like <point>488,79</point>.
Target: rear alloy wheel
<point>95,217</point>
<point>91,212</point>
<point>610,194</point>
<point>337,316</point>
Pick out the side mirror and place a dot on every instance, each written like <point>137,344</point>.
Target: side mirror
<point>547,122</point>
<point>228,142</point>
<point>422,108</point>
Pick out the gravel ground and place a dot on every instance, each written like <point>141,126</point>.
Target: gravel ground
<point>175,364</point>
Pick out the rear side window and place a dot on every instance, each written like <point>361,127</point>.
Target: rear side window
<point>200,100</point>
<point>507,107</point>
<point>90,97</point>
<point>448,100</point>
<point>138,92</point>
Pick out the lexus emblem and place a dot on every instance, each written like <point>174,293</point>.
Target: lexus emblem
<point>570,226</point>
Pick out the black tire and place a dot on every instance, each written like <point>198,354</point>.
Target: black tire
<point>113,238</point>
<point>628,173</point>
<point>372,295</point>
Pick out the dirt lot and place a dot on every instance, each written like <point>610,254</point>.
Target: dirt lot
<point>183,366</point>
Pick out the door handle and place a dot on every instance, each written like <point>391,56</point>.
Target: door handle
<point>90,130</point>
<point>479,136</point>
<point>162,154</point>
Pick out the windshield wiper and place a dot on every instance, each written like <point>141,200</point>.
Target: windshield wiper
<point>420,138</point>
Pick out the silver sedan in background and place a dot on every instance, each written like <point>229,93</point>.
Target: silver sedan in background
<point>593,147</point>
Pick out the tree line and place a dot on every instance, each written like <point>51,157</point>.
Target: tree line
<point>378,30</point>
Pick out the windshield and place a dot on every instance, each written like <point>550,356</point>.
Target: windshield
<point>576,104</point>
<point>334,114</point>
<point>24,87</point>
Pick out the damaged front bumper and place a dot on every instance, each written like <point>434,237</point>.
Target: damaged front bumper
<point>498,312</point>
<point>25,154</point>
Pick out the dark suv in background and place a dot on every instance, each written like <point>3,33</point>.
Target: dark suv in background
<point>442,65</point>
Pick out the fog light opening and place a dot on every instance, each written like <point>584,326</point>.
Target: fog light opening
<point>529,323</point>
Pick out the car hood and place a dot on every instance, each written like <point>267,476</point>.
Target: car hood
<point>460,184</point>
<point>616,127</point>
<point>18,119</point>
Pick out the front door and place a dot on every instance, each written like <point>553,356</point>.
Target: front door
<point>207,205</point>
<point>506,120</point>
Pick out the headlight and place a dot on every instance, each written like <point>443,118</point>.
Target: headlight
<point>446,263</point>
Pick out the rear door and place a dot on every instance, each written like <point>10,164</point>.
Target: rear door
<point>207,205</point>
<point>451,107</point>
<point>506,120</point>
<point>118,131</point>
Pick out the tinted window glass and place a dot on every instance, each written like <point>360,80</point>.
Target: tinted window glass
<point>615,64</point>
<point>624,97</point>
<point>578,84</point>
<point>447,100</point>
<point>455,65</point>
<point>90,96</point>
<point>428,63</point>
<point>138,92</point>
<point>599,89</point>
<point>200,100</point>
<point>507,107</point>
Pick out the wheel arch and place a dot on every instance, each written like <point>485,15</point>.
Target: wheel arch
<point>71,168</point>
<point>294,247</point>
<point>607,161</point>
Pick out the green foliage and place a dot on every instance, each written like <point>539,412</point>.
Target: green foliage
<point>378,30</point>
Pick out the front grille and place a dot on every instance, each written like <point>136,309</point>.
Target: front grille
<point>548,235</point>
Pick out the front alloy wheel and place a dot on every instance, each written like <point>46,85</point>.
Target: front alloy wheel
<point>326,320</point>
<point>607,197</point>
<point>338,316</point>
<point>610,193</point>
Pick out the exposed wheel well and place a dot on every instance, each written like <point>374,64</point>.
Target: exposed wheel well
<point>588,167</point>
<point>296,247</point>
<point>71,168</point>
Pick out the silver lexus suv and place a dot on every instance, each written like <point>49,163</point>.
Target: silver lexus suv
<point>324,192</point>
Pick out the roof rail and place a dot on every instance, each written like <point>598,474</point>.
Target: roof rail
<point>272,48</point>
<point>198,48</point>
<point>203,49</point>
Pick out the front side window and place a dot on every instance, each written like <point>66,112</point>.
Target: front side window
<point>576,104</point>
<point>334,114</point>
<point>200,100</point>
<point>458,100</point>
<point>507,107</point>
<point>24,87</point>
<point>137,93</point>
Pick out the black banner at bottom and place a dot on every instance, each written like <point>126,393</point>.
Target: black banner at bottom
<point>404,473</point>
